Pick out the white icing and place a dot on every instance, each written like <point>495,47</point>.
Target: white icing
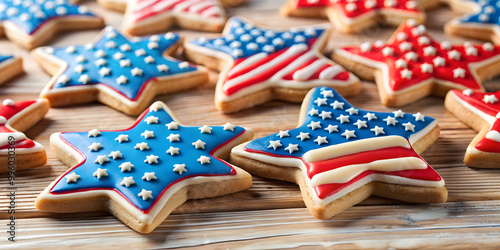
<point>493,135</point>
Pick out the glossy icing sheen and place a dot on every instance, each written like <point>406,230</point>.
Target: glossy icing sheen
<point>412,56</point>
<point>29,15</point>
<point>352,9</point>
<point>174,145</point>
<point>4,58</point>
<point>8,109</point>
<point>123,65</point>
<point>488,108</point>
<point>332,125</point>
<point>264,55</point>
<point>146,9</point>
<point>489,13</point>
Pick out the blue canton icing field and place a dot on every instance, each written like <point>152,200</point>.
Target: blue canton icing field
<point>489,13</point>
<point>3,58</point>
<point>158,145</point>
<point>326,98</point>
<point>29,15</point>
<point>119,63</point>
<point>244,39</point>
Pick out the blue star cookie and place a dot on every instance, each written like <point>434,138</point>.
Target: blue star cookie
<point>31,23</point>
<point>123,73</point>
<point>142,173</point>
<point>10,67</point>
<point>339,155</point>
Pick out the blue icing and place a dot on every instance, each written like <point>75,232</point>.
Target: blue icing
<point>117,50</point>
<point>334,138</point>
<point>3,58</point>
<point>158,146</point>
<point>244,39</point>
<point>488,14</point>
<point>29,15</point>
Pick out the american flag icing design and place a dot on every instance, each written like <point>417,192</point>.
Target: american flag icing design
<point>142,162</point>
<point>412,58</point>
<point>339,146</point>
<point>488,13</point>
<point>205,9</point>
<point>265,58</point>
<point>8,110</point>
<point>30,15</point>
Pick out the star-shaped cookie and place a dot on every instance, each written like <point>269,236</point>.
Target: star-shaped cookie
<point>482,22</point>
<point>142,173</point>
<point>261,64</point>
<point>481,111</point>
<point>30,23</point>
<point>17,152</point>
<point>10,67</point>
<point>339,155</point>
<point>123,73</point>
<point>355,16</point>
<point>412,65</point>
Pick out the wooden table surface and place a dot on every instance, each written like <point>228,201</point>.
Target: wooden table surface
<point>270,214</point>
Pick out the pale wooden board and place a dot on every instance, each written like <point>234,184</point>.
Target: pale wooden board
<point>376,221</point>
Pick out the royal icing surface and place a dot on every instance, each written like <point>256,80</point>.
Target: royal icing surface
<point>264,58</point>
<point>352,9</point>
<point>124,66</point>
<point>4,58</point>
<point>338,146</point>
<point>488,13</point>
<point>487,107</point>
<point>141,163</point>
<point>412,57</point>
<point>30,15</point>
<point>202,9</point>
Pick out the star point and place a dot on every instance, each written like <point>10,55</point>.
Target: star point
<point>100,172</point>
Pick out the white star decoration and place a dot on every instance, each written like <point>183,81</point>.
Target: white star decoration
<point>275,144</point>
<point>126,166</point>
<point>121,138</point>
<point>101,159</point>
<point>73,177</point>
<point>151,159</point>
<point>148,176</point>
<point>127,181</point>
<point>115,155</point>
<point>205,129</point>
<point>100,172</point>
<point>199,144</point>
<point>180,168</point>
<point>95,146</point>
<point>94,133</point>
<point>148,134</point>
<point>145,194</point>
<point>141,146</point>
<point>174,137</point>
<point>203,160</point>
<point>151,120</point>
<point>173,151</point>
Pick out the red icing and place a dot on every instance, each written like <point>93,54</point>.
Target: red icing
<point>491,109</point>
<point>360,8</point>
<point>443,73</point>
<point>26,143</point>
<point>147,8</point>
<point>8,112</point>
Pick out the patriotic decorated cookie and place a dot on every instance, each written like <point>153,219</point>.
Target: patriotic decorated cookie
<point>261,64</point>
<point>142,173</point>
<point>10,67</point>
<point>339,155</point>
<point>355,16</point>
<point>123,73</point>
<point>482,22</point>
<point>17,152</point>
<point>411,65</point>
<point>30,23</point>
<point>481,111</point>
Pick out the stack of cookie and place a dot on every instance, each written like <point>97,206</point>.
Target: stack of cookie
<point>339,154</point>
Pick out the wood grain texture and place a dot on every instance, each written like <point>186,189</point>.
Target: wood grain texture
<point>271,213</point>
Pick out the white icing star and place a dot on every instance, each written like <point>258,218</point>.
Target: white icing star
<point>320,101</point>
<point>378,130</point>
<point>438,61</point>
<point>370,116</point>
<point>151,159</point>
<point>173,151</point>
<point>313,112</point>
<point>145,194</point>
<point>148,176</point>
<point>292,147</point>
<point>162,68</point>
<point>104,71</point>
<point>320,140</point>
<point>84,79</point>
<point>325,115</point>
<point>348,134</point>
<point>419,117</point>
<point>283,133</point>
<point>101,159</point>
<point>73,177</point>
<point>127,181</point>
<point>121,138</point>
<point>343,118</point>
<point>314,125</point>
<point>172,125</point>
<point>100,62</point>
<point>327,93</point>
<point>490,99</point>
<point>429,51</point>
<point>180,168</point>
<point>95,146</point>
<point>337,105</point>
<point>141,146</point>
<point>426,68</point>
<point>455,55</point>
<point>205,129</point>
<point>229,127</point>
<point>275,144</point>
<point>174,137</point>
<point>409,127</point>
<point>303,136</point>
<point>155,107</point>
<point>352,111</point>
<point>468,92</point>
<point>390,121</point>
<point>136,72</point>
<point>332,128</point>
<point>151,120</point>
<point>399,114</point>
<point>199,144</point>
<point>100,172</point>
<point>125,63</point>
<point>126,166</point>
<point>148,134</point>
<point>406,74</point>
<point>360,124</point>
<point>203,160</point>
<point>401,63</point>
<point>121,80</point>
<point>459,73</point>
